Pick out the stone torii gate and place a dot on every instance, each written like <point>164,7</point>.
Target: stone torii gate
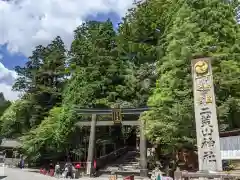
<point>117,119</point>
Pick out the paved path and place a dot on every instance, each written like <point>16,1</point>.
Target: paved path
<point>18,174</point>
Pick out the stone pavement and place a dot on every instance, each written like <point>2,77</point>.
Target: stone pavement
<point>18,174</point>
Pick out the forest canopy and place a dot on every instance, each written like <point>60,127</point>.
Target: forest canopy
<point>145,63</point>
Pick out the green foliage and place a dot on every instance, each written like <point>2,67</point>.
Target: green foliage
<point>150,55</point>
<point>42,79</point>
<point>97,73</point>
<point>14,121</point>
<point>4,104</point>
<point>52,135</point>
<point>138,48</point>
<point>192,35</point>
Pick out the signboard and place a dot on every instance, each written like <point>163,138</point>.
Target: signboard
<point>117,115</point>
<point>209,155</point>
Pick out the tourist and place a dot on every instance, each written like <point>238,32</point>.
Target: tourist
<point>57,170</point>
<point>74,170</point>
<point>77,167</point>
<point>68,170</point>
<point>22,163</point>
<point>65,171</point>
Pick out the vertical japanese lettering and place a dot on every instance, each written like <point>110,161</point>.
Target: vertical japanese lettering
<point>203,83</point>
<point>208,142</point>
<point>205,115</point>
<point>209,156</point>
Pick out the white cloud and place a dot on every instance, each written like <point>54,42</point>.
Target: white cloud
<point>27,23</point>
<point>7,78</point>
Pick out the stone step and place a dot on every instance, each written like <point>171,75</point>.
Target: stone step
<point>129,162</point>
<point>124,166</point>
<point>120,176</point>
<point>130,167</point>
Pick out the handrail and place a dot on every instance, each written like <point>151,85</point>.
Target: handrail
<point>114,152</point>
<point>109,158</point>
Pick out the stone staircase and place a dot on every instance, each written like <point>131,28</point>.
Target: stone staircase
<point>126,164</point>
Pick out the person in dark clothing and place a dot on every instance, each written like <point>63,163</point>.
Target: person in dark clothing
<point>22,163</point>
<point>68,167</point>
<point>51,165</point>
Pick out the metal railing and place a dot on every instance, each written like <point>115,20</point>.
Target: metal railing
<point>180,175</point>
<point>109,158</point>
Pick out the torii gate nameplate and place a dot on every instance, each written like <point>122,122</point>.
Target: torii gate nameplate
<point>117,115</point>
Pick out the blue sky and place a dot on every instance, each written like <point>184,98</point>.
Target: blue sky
<point>10,60</point>
<point>26,24</point>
